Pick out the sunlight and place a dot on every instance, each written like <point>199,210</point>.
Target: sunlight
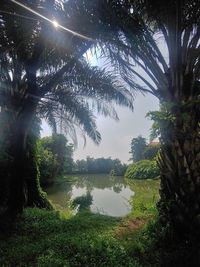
<point>55,23</point>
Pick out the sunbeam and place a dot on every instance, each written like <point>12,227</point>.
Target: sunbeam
<point>55,23</point>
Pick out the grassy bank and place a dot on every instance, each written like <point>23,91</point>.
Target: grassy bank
<point>145,198</point>
<point>42,238</point>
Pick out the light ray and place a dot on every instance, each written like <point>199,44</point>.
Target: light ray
<point>55,24</point>
<point>17,15</point>
<point>51,21</point>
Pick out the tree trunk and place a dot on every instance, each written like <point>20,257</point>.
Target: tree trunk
<point>35,196</point>
<point>24,186</point>
<point>179,161</point>
<point>16,199</point>
<point>4,158</point>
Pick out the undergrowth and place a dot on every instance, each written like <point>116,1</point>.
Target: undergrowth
<point>50,238</point>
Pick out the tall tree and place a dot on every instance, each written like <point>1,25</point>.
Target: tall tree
<point>174,79</point>
<point>136,34</point>
<point>138,146</point>
<point>54,156</point>
<point>43,70</point>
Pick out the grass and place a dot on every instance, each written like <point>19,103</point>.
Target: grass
<point>44,239</point>
<point>145,198</point>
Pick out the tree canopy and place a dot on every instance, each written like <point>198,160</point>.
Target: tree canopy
<point>138,145</point>
<point>45,73</point>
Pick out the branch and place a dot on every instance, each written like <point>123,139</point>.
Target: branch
<point>144,80</point>
<point>154,45</point>
<point>147,71</point>
<point>186,38</point>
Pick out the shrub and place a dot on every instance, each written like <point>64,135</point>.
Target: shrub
<point>48,165</point>
<point>54,157</point>
<point>144,169</point>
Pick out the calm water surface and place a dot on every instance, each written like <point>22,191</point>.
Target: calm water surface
<point>109,195</point>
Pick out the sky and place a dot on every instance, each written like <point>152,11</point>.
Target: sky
<point>117,136</point>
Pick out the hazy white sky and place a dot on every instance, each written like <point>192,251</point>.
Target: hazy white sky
<point>116,136</point>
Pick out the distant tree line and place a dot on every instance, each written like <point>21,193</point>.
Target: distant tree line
<point>100,165</point>
<point>55,159</point>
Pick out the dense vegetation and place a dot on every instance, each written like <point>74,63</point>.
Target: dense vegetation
<point>55,158</point>
<point>44,73</point>
<point>144,157</point>
<point>143,169</point>
<point>44,238</point>
<point>60,93</point>
<point>141,150</point>
<point>100,165</point>
<point>138,145</point>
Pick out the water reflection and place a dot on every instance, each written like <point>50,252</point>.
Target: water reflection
<point>100,193</point>
<point>82,202</point>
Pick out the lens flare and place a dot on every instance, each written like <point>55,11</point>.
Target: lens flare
<point>55,23</point>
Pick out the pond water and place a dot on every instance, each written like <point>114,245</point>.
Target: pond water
<point>101,193</point>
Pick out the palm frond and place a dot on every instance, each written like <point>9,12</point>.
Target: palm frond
<point>73,110</point>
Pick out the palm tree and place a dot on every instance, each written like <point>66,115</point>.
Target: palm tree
<point>43,71</point>
<point>156,47</point>
<point>173,80</point>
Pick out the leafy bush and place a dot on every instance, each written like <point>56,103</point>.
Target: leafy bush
<point>54,157</point>
<point>48,165</point>
<point>144,169</point>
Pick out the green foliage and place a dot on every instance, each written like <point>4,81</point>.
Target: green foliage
<point>47,165</point>
<point>43,238</point>
<point>60,93</point>
<point>54,157</point>
<point>145,198</point>
<point>138,145</point>
<point>162,119</point>
<point>151,151</point>
<point>118,168</point>
<point>100,165</point>
<point>144,169</point>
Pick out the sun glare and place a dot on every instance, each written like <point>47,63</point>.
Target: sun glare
<point>55,23</point>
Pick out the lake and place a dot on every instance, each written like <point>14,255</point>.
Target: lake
<point>103,194</point>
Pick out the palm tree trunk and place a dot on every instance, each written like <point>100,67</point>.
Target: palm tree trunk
<point>24,186</point>
<point>4,158</point>
<point>179,161</point>
<point>16,199</point>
